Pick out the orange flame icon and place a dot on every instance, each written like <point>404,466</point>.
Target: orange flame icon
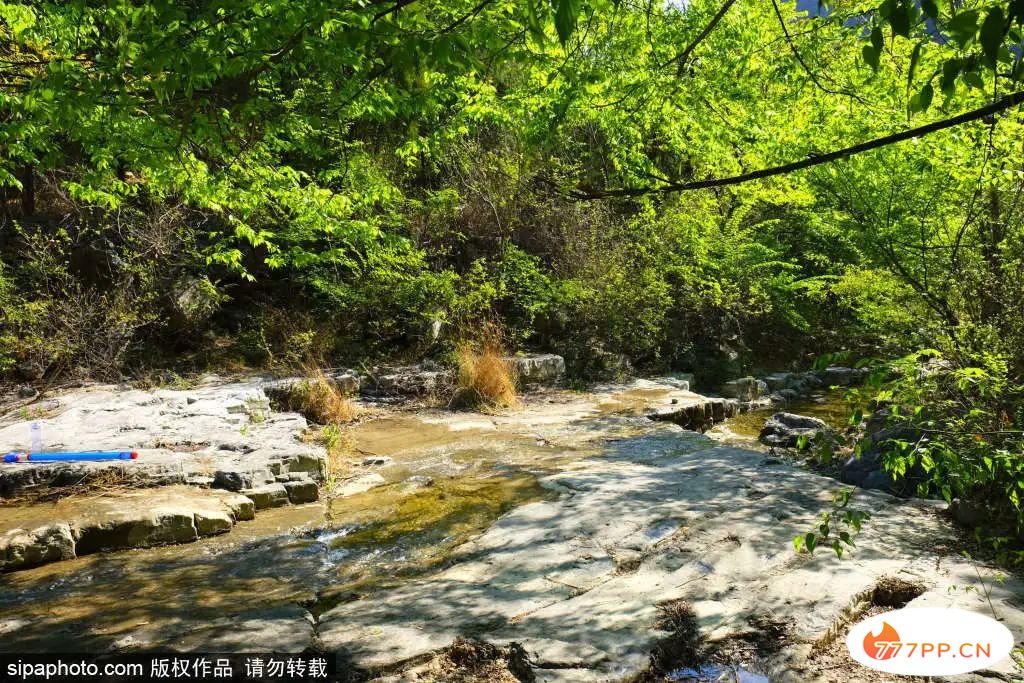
<point>880,646</point>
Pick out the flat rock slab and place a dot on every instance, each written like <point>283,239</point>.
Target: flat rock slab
<point>220,434</point>
<point>645,523</point>
<point>43,533</point>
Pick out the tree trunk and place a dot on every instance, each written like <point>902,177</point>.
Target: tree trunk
<point>994,232</point>
<point>28,191</point>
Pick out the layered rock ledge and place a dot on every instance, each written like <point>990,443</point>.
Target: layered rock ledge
<point>40,534</point>
<point>220,431</point>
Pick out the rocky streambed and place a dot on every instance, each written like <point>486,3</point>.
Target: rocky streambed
<point>570,525</point>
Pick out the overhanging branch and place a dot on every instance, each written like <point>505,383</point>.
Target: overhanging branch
<point>999,105</point>
<point>683,57</point>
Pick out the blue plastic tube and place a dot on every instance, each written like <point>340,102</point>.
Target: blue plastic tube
<point>70,456</point>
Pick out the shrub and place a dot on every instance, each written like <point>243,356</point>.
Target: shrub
<point>968,413</point>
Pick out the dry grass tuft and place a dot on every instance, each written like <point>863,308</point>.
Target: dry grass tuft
<point>485,379</point>
<point>319,401</point>
<point>682,646</point>
<point>93,484</point>
<point>468,660</point>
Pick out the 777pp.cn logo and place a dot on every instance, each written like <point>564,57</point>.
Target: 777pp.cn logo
<point>929,641</point>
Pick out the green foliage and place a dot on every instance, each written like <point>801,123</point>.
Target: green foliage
<point>18,320</point>
<point>966,418</point>
<point>394,176</point>
<point>841,516</point>
<point>346,181</point>
<point>974,42</point>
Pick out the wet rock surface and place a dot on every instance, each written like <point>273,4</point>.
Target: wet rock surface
<point>39,534</point>
<point>786,429</point>
<point>647,522</point>
<point>561,526</point>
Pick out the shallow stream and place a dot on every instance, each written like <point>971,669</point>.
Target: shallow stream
<point>744,429</point>
<point>446,481</point>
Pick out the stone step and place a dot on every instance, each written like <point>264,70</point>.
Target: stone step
<point>698,415</point>
<point>39,534</point>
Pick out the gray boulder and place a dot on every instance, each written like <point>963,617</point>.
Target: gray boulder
<point>136,529</point>
<point>699,416</point>
<point>346,381</point>
<point>543,368</point>
<point>777,380</point>
<point>868,471</point>
<point>744,389</point>
<point>268,496</point>
<point>684,381</point>
<point>804,382</point>
<point>193,301</point>
<point>213,522</point>
<point>969,513</point>
<point>785,395</point>
<point>405,381</point>
<point>231,480</point>
<point>20,549</point>
<point>837,375</point>
<point>785,429</point>
<point>305,491</point>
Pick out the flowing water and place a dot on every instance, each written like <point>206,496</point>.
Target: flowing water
<point>446,482</point>
<point>449,479</point>
<point>745,427</point>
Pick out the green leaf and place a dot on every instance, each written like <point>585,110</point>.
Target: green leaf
<point>534,22</point>
<point>798,543</point>
<point>930,8</point>
<point>18,17</point>
<point>870,56</point>
<point>566,14</point>
<point>922,100</point>
<point>811,541</point>
<point>1016,11</point>
<point>899,19</point>
<point>947,82</point>
<point>963,26</point>
<point>877,40</point>
<point>992,35</point>
<point>915,55</point>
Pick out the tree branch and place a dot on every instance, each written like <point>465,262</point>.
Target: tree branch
<point>684,56</point>
<point>999,105</point>
<point>803,64</point>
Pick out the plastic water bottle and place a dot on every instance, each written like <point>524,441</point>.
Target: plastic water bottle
<point>37,438</point>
